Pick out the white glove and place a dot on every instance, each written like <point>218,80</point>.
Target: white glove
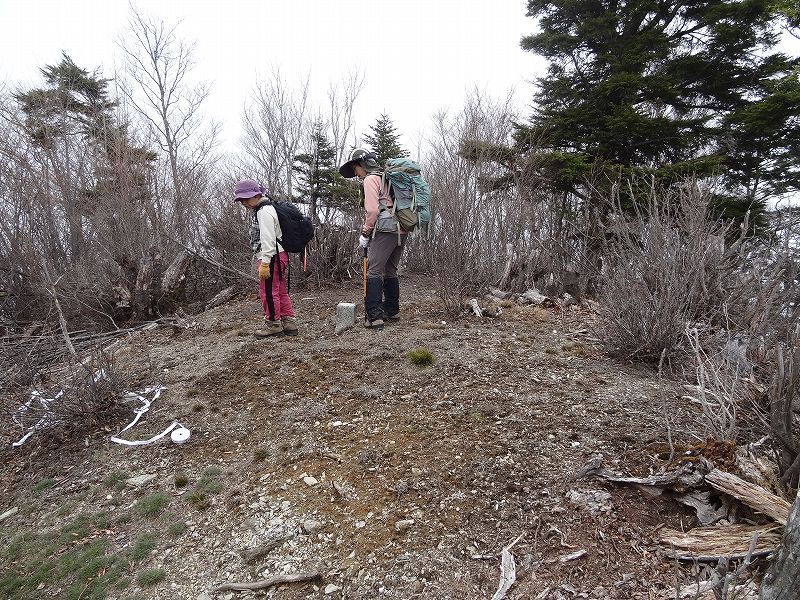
<point>363,241</point>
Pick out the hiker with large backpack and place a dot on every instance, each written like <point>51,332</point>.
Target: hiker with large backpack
<point>391,211</point>
<point>270,243</point>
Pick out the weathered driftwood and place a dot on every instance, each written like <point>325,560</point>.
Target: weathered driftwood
<point>508,570</point>
<point>750,494</point>
<point>783,578</point>
<point>709,544</point>
<point>175,275</point>
<point>268,582</point>
<point>686,477</point>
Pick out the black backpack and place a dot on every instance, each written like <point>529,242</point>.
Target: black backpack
<point>297,229</point>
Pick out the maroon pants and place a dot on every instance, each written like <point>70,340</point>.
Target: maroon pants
<point>274,297</point>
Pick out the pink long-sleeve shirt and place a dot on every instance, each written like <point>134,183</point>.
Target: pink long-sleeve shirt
<point>372,196</point>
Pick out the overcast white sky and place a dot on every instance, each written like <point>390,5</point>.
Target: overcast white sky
<point>453,45</point>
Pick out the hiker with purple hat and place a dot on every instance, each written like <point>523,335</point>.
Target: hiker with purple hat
<point>273,261</point>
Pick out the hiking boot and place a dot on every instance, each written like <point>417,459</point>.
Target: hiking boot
<point>269,329</point>
<point>289,325</point>
<point>375,325</point>
<point>392,318</point>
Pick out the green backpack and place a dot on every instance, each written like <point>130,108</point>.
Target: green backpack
<point>411,194</point>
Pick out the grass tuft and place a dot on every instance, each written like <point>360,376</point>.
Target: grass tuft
<point>421,357</point>
<point>152,506</point>
<point>150,577</point>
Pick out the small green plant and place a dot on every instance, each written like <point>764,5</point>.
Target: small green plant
<point>209,481</point>
<point>142,547</point>
<point>150,577</point>
<point>260,454</point>
<point>208,484</point>
<point>421,357</point>
<point>181,480</point>
<point>44,484</point>
<point>177,529</point>
<point>152,506</point>
<point>198,407</point>
<point>116,480</point>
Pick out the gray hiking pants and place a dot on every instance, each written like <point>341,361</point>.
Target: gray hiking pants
<point>383,255</point>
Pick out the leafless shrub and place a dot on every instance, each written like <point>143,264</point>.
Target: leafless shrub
<point>783,419</point>
<point>462,251</point>
<point>663,267</point>
<point>720,388</point>
<point>88,396</point>
<point>332,255</point>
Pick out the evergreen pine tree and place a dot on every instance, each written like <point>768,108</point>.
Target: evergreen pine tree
<point>384,141</point>
<point>320,183</point>
<point>668,89</point>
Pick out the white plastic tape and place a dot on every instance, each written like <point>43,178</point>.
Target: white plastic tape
<point>45,421</point>
<point>156,391</point>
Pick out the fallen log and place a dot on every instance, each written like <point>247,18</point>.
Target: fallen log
<point>221,297</point>
<point>268,582</point>
<point>750,494</point>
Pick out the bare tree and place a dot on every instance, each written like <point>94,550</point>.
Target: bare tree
<point>275,124</point>
<point>341,100</point>
<point>158,64</point>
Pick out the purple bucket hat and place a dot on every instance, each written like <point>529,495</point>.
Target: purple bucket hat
<point>246,188</point>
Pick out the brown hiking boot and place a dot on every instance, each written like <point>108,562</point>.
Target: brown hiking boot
<point>269,329</point>
<point>289,325</point>
<point>393,318</point>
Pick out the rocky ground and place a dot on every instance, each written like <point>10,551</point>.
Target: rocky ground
<point>337,455</point>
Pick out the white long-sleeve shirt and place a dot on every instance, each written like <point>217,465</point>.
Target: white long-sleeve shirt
<point>265,231</point>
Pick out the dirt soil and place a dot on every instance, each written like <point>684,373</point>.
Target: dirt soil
<point>389,479</point>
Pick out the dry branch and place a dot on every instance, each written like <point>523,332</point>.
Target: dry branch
<point>750,494</point>
<point>268,582</point>
<point>709,544</point>
<point>686,477</point>
<point>256,553</point>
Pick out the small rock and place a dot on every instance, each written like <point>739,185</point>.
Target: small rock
<point>204,596</point>
<point>403,525</point>
<point>140,480</point>
<point>312,481</point>
<point>311,526</point>
<point>9,513</point>
<point>331,588</point>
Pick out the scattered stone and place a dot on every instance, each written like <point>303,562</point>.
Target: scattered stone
<point>331,588</point>
<point>532,296</point>
<point>9,513</point>
<point>403,525</point>
<point>311,526</point>
<point>204,596</point>
<point>499,293</point>
<point>140,480</point>
<point>310,481</point>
